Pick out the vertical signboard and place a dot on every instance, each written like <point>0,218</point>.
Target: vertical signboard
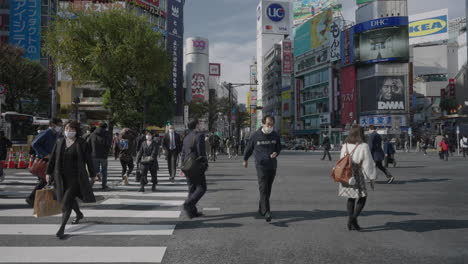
<point>348,95</point>
<point>298,103</point>
<point>25,27</point>
<point>347,46</point>
<point>335,47</point>
<point>287,60</point>
<point>175,47</point>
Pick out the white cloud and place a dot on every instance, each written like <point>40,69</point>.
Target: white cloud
<point>235,60</point>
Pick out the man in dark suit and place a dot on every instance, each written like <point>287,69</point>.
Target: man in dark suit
<point>172,145</point>
<point>194,142</point>
<point>326,146</point>
<point>375,145</point>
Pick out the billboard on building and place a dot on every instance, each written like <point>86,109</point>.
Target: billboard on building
<point>306,9</point>
<point>383,94</point>
<point>335,47</point>
<point>313,34</point>
<point>287,57</point>
<point>286,101</point>
<point>275,16</point>
<point>25,27</point>
<point>360,2</point>
<point>382,40</point>
<point>175,48</point>
<point>428,27</point>
<point>348,95</point>
<point>215,69</point>
<point>347,46</point>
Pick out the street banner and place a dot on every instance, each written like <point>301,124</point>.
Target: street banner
<point>287,57</point>
<point>335,47</point>
<point>348,95</point>
<point>25,27</point>
<point>175,48</point>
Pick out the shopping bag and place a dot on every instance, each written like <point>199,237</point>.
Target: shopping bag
<point>44,203</point>
<point>39,168</point>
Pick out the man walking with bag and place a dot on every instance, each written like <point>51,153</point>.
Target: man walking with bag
<point>194,149</point>
<point>172,145</point>
<point>43,144</point>
<point>326,147</point>
<point>265,144</point>
<point>100,143</point>
<point>375,145</point>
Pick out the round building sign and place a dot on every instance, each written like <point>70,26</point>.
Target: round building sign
<point>275,12</point>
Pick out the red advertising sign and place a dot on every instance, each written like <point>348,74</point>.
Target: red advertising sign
<point>348,95</point>
<point>287,58</point>
<point>452,87</point>
<point>215,69</point>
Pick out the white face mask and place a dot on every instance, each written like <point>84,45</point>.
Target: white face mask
<point>58,129</point>
<point>70,134</point>
<point>149,137</point>
<point>267,130</point>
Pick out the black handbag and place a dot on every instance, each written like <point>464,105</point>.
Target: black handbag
<point>193,165</point>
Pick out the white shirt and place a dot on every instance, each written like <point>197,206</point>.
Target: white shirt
<point>171,143</point>
<point>464,142</point>
<point>362,153</point>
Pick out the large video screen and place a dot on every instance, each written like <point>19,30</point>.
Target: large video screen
<point>382,39</point>
<point>383,94</point>
<point>384,44</point>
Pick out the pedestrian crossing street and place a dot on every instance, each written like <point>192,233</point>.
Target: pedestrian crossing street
<point>122,214</point>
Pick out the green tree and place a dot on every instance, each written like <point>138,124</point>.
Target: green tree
<point>25,80</point>
<point>119,50</point>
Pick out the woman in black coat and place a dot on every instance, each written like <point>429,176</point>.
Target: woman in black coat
<point>70,167</point>
<point>147,158</point>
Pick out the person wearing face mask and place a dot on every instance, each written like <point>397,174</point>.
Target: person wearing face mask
<point>71,170</point>
<point>147,160</point>
<point>43,145</point>
<point>172,145</point>
<point>100,143</point>
<point>265,144</point>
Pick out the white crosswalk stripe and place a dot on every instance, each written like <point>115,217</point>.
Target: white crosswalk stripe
<point>121,203</point>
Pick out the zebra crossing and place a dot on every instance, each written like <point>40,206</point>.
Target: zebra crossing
<point>121,214</point>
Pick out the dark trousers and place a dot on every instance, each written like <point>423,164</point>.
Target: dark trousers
<point>69,203</point>
<point>213,153</point>
<point>325,153</point>
<point>265,183</point>
<point>39,186</point>
<point>380,166</point>
<point>144,175</point>
<point>465,152</point>
<point>127,167</point>
<point>172,156</point>
<point>196,190</point>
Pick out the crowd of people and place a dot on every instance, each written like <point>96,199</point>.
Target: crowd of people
<point>77,161</point>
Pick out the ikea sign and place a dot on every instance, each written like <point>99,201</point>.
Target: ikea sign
<point>426,27</point>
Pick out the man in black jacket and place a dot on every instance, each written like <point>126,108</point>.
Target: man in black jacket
<point>100,143</point>
<point>326,147</point>
<point>265,144</point>
<point>194,142</point>
<point>172,145</point>
<point>5,144</point>
<point>375,145</point>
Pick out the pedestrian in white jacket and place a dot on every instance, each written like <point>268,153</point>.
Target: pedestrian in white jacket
<point>363,170</point>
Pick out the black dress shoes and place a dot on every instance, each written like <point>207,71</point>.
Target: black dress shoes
<point>77,219</point>
<point>268,217</point>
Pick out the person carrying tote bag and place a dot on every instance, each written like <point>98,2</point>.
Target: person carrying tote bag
<point>147,160</point>
<point>72,172</point>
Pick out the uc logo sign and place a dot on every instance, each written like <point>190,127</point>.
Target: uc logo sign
<point>199,44</point>
<point>275,12</point>
<point>427,27</point>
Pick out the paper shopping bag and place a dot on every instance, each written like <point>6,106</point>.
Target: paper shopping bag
<point>45,205</point>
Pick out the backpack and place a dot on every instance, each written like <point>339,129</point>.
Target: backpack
<point>343,170</point>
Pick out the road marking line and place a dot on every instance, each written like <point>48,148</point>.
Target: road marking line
<point>100,213</point>
<point>88,229</point>
<point>145,194</point>
<point>110,201</point>
<point>82,254</point>
<point>211,209</point>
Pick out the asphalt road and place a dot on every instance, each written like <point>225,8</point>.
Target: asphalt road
<point>421,218</point>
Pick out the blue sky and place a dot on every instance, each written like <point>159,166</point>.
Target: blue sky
<point>230,25</point>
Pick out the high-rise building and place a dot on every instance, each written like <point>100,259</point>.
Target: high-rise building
<point>274,23</point>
